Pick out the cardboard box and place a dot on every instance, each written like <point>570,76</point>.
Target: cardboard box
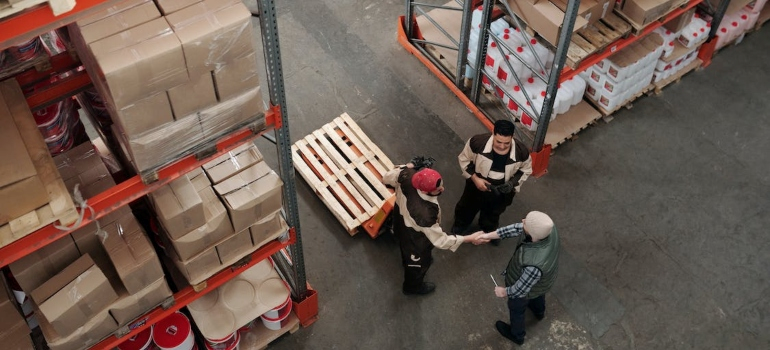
<point>14,332</point>
<point>216,228</point>
<point>268,229</point>
<point>235,112</point>
<point>168,7</point>
<point>212,33</point>
<point>37,267</point>
<point>72,297</point>
<point>231,163</point>
<point>199,267</point>
<point>590,10</point>
<point>252,195</point>
<point>166,144</point>
<point>130,306</point>
<point>77,160</point>
<point>193,96</point>
<point>87,241</point>
<point>544,17</point>
<point>21,190</point>
<point>91,182</point>
<point>179,207</point>
<point>133,69</point>
<point>645,11</point>
<point>145,115</point>
<point>234,247</point>
<point>104,12</point>
<point>236,77</point>
<point>131,253</point>
<point>678,23</point>
<point>96,329</point>
<point>119,22</point>
<point>199,179</point>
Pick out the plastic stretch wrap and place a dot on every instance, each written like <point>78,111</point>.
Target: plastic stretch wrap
<point>171,141</point>
<point>212,33</point>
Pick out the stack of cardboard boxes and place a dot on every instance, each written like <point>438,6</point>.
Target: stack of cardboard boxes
<point>14,332</point>
<point>173,74</point>
<point>616,79</point>
<point>217,214</point>
<point>101,276</point>
<point>546,17</point>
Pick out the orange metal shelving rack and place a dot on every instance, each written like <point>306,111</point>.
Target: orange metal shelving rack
<point>38,20</point>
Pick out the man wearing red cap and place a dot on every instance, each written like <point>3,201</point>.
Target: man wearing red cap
<point>416,223</point>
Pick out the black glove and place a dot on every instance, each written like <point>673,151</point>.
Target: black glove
<point>420,162</point>
<point>506,187</point>
<point>493,189</point>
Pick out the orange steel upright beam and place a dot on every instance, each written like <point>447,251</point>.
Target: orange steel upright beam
<point>404,41</point>
<point>126,192</point>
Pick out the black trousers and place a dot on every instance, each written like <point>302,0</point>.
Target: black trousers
<point>416,253</point>
<point>517,307</point>
<point>488,205</point>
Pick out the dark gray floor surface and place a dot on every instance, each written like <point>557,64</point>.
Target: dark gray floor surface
<point>660,211</point>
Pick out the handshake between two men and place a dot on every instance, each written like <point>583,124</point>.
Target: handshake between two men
<point>481,237</point>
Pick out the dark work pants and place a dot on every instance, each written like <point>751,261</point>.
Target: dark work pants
<point>416,252</point>
<point>488,205</point>
<point>517,306</point>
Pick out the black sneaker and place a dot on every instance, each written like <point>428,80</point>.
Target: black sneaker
<point>505,330</point>
<point>425,288</point>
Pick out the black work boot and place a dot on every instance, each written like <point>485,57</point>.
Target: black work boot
<point>457,230</point>
<point>505,330</point>
<point>425,288</point>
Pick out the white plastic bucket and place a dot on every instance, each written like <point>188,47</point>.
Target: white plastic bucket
<point>231,342</point>
<point>174,333</point>
<point>278,322</point>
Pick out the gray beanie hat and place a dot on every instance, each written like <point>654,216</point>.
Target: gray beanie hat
<point>538,225</point>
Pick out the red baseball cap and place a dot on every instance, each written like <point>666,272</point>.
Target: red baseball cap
<point>426,180</point>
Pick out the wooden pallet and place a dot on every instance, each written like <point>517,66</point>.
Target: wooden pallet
<point>626,104</point>
<point>595,37</point>
<point>10,7</point>
<point>637,28</point>
<point>60,206</point>
<point>259,337</point>
<point>344,167</point>
<point>657,88</point>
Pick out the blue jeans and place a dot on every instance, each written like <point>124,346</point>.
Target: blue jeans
<point>517,307</point>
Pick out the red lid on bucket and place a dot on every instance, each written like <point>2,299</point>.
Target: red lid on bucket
<point>172,331</point>
<point>140,341</point>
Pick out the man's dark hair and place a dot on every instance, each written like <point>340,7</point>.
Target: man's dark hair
<point>504,128</point>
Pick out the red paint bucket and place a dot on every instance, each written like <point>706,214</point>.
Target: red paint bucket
<point>141,341</point>
<point>229,343</point>
<point>174,333</point>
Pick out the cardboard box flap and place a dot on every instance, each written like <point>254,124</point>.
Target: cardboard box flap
<point>131,36</point>
<point>117,7</point>
<point>77,160</point>
<point>266,185</point>
<point>119,22</point>
<point>242,179</point>
<point>231,163</point>
<point>168,7</point>
<point>217,228</point>
<point>35,268</point>
<point>199,179</point>
<point>60,280</point>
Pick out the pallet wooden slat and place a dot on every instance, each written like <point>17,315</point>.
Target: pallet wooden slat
<point>326,195</point>
<point>595,37</point>
<point>337,164</point>
<point>345,169</point>
<point>658,86</point>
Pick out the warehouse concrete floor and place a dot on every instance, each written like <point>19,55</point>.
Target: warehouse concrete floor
<point>660,211</point>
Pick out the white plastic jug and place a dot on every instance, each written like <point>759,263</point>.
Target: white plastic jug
<point>528,57</point>
<point>498,26</point>
<point>540,51</point>
<point>578,86</point>
<point>564,97</point>
<point>493,58</point>
<point>533,87</point>
<point>476,17</point>
<point>512,40</point>
<point>504,73</point>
